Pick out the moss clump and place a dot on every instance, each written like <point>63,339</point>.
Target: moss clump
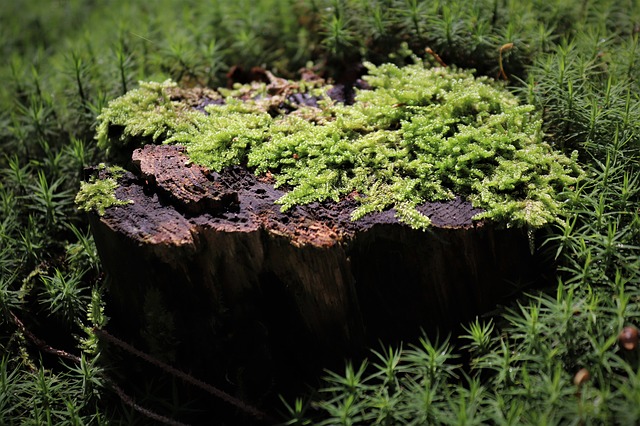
<point>100,193</point>
<point>417,135</point>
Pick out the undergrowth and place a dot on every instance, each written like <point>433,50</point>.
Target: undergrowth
<point>574,61</point>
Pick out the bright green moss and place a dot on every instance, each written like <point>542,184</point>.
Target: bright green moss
<point>418,135</point>
<point>144,112</point>
<point>100,194</point>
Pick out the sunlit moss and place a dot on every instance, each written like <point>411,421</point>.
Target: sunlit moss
<point>419,134</point>
<point>100,194</point>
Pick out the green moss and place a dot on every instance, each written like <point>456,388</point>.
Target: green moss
<point>418,135</point>
<point>100,194</point>
<point>144,112</point>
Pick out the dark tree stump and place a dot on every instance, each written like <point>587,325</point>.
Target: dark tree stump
<point>207,272</point>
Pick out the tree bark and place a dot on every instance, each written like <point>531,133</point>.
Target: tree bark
<point>205,271</point>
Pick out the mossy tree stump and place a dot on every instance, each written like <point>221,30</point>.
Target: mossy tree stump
<point>279,228</point>
<point>205,271</point>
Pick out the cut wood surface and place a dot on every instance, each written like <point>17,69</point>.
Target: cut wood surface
<point>273,296</point>
<point>189,188</point>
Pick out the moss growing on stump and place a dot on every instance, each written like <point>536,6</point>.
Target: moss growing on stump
<point>415,135</point>
<point>99,193</point>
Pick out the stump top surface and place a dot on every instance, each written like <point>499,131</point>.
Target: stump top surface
<point>173,198</point>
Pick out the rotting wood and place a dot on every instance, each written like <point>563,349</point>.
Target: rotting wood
<point>191,189</point>
<point>273,297</point>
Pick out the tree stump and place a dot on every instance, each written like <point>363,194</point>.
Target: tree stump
<point>207,273</point>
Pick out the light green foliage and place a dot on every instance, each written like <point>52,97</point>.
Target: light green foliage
<point>99,194</point>
<point>225,136</point>
<point>96,318</point>
<point>421,134</point>
<point>147,111</point>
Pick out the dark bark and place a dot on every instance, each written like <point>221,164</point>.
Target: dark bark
<point>262,299</point>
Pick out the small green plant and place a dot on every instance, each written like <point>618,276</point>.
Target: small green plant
<point>99,194</point>
<point>64,295</point>
<point>479,336</point>
<point>420,134</point>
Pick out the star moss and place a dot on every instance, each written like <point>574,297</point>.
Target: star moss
<point>418,134</point>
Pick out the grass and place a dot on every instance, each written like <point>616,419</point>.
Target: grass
<point>574,61</point>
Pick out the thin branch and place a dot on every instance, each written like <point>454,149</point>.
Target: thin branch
<point>436,57</point>
<point>249,409</point>
<point>504,47</point>
<point>41,344</point>
<point>127,400</point>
